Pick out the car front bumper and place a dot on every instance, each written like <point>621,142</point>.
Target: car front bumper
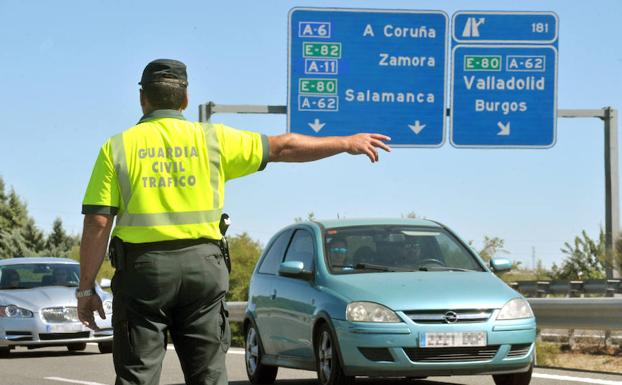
<point>35,332</point>
<point>395,349</point>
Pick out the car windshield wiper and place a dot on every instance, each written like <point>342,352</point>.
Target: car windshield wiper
<point>369,266</point>
<point>443,268</point>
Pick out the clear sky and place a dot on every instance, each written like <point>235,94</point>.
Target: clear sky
<point>69,73</point>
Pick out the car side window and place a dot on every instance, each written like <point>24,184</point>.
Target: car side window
<point>301,249</point>
<point>274,256</point>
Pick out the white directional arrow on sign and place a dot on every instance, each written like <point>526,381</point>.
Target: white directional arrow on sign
<point>316,125</point>
<point>505,129</point>
<point>417,127</point>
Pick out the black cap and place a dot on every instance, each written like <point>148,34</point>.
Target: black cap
<point>165,71</point>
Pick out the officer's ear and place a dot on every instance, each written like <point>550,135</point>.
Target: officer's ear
<point>184,102</point>
<point>143,98</point>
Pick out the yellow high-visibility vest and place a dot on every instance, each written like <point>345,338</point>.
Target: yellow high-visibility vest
<point>164,178</point>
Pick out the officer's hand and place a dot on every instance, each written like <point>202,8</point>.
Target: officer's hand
<point>86,307</point>
<point>367,144</point>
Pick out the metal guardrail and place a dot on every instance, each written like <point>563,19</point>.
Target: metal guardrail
<point>551,313</point>
<point>598,287</point>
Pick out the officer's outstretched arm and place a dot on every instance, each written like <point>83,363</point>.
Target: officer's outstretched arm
<point>302,148</point>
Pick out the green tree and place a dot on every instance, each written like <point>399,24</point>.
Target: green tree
<point>12,243</point>
<point>585,258</point>
<point>59,243</point>
<point>310,217</point>
<point>244,252</point>
<point>33,237</point>
<point>491,247</point>
<point>17,211</point>
<point>4,208</point>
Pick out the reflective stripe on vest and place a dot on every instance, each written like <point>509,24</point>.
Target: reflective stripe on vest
<point>125,218</point>
<point>213,152</point>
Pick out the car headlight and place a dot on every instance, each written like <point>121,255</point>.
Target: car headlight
<point>107,304</point>
<point>370,312</point>
<point>515,309</point>
<point>12,311</point>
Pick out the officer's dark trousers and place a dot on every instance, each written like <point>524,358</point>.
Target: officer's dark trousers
<point>180,291</point>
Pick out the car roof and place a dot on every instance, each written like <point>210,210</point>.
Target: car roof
<point>333,223</point>
<point>33,260</point>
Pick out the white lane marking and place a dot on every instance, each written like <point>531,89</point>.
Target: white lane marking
<point>576,379</point>
<point>72,381</point>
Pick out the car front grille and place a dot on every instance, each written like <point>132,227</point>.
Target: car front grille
<point>449,316</point>
<point>518,350</point>
<point>459,354</point>
<point>60,314</point>
<point>62,336</point>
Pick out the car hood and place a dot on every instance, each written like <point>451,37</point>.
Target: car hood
<point>37,298</point>
<point>425,290</point>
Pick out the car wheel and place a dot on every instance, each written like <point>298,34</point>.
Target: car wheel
<point>77,347</point>
<point>4,351</point>
<point>328,365</point>
<point>514,378</point>
<point>104,347</point>
<point>257,372</point>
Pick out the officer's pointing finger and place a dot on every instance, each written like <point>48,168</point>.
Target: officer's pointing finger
<point>381,137</point>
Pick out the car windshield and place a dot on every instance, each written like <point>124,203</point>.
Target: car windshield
<point>383,248</point>
<point>31,275</point>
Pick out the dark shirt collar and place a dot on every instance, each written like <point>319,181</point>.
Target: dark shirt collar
<point>159,114</point>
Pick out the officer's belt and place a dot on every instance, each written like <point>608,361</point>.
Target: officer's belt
<point>133,250</point>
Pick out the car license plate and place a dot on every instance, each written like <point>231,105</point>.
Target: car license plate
<point>65,328</point>
<point>446,340</point>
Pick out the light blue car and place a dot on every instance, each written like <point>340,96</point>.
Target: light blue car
<point>388,298</point>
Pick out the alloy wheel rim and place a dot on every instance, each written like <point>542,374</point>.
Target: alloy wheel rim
<point>325,356</point>
<point>252,351</point>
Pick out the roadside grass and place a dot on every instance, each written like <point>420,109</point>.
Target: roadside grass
<point>597,358</point>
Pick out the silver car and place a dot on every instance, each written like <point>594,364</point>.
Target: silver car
<point>38,307</point>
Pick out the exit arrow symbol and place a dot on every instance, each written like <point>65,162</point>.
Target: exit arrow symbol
<point>316,125</point>
<point>505,129</point>
<point>417,127</point>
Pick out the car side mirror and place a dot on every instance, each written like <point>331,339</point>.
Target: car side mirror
<point>500,264</point>
<point>104,283</point>
<point>293,269</point>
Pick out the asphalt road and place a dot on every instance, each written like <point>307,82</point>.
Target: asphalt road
<point>56,366</point>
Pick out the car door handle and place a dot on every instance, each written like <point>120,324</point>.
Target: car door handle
<point>273,296</point>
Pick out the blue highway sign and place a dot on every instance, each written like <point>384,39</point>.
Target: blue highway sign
<point>353,71</point>
<point>504,95</point>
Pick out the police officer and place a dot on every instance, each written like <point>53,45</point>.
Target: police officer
<point>164,181</point>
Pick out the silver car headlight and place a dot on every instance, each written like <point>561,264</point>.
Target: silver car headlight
<point>107,304</point>
<point>60,314</point>
<point>12,311</point>
<point>370,312</point>
<point>516,308</point>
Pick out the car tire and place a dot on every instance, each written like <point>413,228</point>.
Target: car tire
<point>104,347</point>
<point>77,347</point>
<point>327,361</point>
<point>257,372</point>
<point>4,351</point>
<point>514,378</point>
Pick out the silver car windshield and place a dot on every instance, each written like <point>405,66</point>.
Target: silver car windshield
<point>31,275</point>
<point>374,248</point>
